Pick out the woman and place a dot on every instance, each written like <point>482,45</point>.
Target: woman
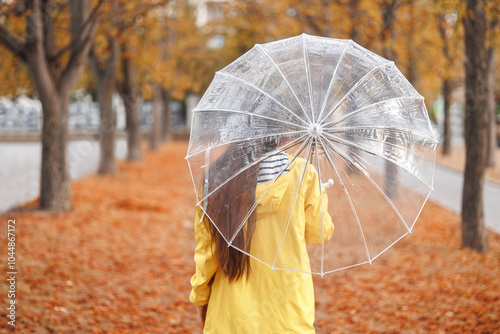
<point>236,293</point>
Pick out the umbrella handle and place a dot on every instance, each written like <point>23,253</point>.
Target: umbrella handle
<point>328,184</point>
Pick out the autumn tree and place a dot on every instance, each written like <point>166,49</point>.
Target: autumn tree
<point>129,92</point>
<point>191,56</point>
<point>15,76</point>
<point>246,23</point>
<point>127,82</point>
<point>55,53</point>
<point>476,126</point>
<point>387,33</point>
<point>125,21</point>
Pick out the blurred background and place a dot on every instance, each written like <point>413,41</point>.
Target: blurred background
<point>143,65</point>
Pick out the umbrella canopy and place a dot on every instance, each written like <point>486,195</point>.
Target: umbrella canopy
<point>329,104</point>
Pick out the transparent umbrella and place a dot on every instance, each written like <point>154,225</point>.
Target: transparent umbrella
<point>342,109</point>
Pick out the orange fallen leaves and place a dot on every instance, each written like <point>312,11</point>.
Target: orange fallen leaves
<point>120,262</point>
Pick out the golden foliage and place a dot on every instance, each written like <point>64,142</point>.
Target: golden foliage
<point>415,39</point>
<point>14,74</point>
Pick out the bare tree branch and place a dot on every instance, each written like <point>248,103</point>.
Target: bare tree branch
<point>138,12</point>
<point>48,27</point>
<point>95,64</point>
<point>34,23</point>
<point>13,43</point>
<point>77,53</point>
<point>495,21</point>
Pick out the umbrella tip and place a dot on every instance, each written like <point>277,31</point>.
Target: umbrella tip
<point>272,268</point>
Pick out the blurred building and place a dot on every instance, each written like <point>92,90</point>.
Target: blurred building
<point>208,11</point>
<point>208,14</point>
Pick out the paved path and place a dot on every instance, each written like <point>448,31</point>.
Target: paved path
<point>447,192</point>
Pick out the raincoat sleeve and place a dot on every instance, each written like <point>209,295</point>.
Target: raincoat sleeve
<point>316,210</point>
<point>204,259</point>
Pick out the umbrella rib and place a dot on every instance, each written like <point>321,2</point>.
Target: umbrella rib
<point>322,212</point>
<point>260,48</point>
<point>345,129</point>
<point>347,143</point>
<point>335,122</point>
<point>365,173</point>
<point>192,179</point>
<point>356,86</point>
<point>293,207</point>
<point>226,74</point>
<point>211,221</point>
<point>250,114</point>
<point>275,268</point>
<point>420,211</point>
<point>347,267</point>
<point>401,237</point>
<point>353,209</point>
<point>333,77</point>
<point>283,147</point>
<point>299,150</point>
<point>245,139</point>
<point>241,250</point>
<point>308,74</point>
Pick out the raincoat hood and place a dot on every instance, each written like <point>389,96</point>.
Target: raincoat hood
<point>271,201</point>
<point>270,301</point>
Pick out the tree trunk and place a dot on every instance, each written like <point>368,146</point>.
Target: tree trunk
<point>55,190</point>
<point>355,35</point>
<point>388,40</point>
<point>134,139</point>
<point>54,86</point>
<point>447,88</point>
<point>492,139</point>
<point>447,121</point>
<point>55,181</point>
<point>106,88</point>
<point>129,93</point>
<point>105,73</point>
<point>412,66</point>
<point>476,127</point>
<point>166,123</point>
<point>156,127</point>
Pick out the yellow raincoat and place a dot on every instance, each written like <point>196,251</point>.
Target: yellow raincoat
<point>275,301</point>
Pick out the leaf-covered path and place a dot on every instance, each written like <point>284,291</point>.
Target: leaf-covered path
<point>120,262</point>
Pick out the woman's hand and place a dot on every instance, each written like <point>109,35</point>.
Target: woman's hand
<point>202,312</point>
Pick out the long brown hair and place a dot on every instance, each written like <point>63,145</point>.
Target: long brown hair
<point>230,204</point>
